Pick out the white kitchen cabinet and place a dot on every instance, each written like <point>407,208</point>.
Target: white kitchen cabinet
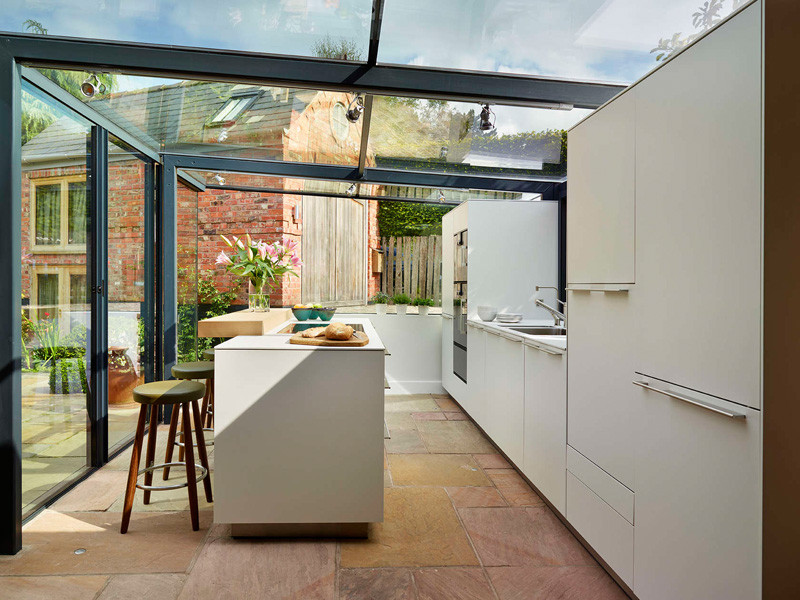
<point>699,217</point>
<point>448,230</point>
<point>545,436</point>
<point>602,342</point>
<point>697,498</point>
<point>505,389</point>
<point>448,377</point>
<point>600,210</point>
<point>475,403</point>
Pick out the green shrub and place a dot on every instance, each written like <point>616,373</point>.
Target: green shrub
<point>423,302</point>
<point>410,218</point>
<point>401,299</point>
<point>68,376</point>
<point>380,298</point>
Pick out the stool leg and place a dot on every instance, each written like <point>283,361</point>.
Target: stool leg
<point>191,475</point>
<point>210,415</point>
<point>133,472</point>
<point>204,410</point>
<point>201,448</point>
<point>151,450</point>
<point>173,428</point>
<point>182,449</point>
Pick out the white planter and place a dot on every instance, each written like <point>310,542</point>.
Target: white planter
<point>381,308</point>
<point>401,309</point>
<point>423,311</point>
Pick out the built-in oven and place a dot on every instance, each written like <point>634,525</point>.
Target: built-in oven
<point>460,305</point>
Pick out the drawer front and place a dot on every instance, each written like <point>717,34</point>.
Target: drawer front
<point>604,528</point>
<point>611,491</point>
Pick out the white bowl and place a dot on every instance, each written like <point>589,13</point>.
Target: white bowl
<point>487,313</point>
<point>509,317</point>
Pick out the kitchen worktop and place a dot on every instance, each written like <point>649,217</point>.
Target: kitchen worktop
<point>557,343</point>
<point>242,322</point>
<point>280,341</point>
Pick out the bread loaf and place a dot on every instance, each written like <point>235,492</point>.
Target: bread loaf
<point>338,331</point>
<point>313,332</point>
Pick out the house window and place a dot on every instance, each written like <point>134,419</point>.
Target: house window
<point>233,108</point>
<point>58,210</point>
<point>339,123</point>
<point>57,289</point>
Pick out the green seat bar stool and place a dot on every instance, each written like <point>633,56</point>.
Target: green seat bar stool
<point>180,395</point>
<point>200,369</point>
<point>208,354</point>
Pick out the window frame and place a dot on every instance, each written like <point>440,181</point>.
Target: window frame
<point>65,247</point>
<point>64,273</point>
<point>334,123</point>
<point>246,100</point>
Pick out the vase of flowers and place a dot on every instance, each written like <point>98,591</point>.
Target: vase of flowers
<point>261,263</point>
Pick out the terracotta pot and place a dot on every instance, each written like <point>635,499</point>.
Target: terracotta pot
<point>122,377</point>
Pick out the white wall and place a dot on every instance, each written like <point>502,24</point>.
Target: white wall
<point>415,344</point>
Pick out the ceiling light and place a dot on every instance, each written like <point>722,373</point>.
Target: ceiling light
<point>219,179</point>
<point>92,85</point>
<point>351,191</point>
<point>223,135</point>
<point>441,196</point>
<point>487,119</point>
<point>356,108</point>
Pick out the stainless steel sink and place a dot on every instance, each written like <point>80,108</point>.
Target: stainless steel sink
<point>540,330</point>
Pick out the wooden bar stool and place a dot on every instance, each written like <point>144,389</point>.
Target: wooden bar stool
<point>179,395</point>
<point>201,369</point>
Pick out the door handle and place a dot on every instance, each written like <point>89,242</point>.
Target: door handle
<point>699,403</point>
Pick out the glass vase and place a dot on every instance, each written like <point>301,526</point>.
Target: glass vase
<point>257,299</point>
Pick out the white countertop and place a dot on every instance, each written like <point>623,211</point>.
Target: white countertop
<point>280,341</point>
<point>548,343</point>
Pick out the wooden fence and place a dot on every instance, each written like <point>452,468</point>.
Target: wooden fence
<point>413,265</point>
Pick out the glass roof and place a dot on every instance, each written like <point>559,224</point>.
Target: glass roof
<point>432,135</point>
<point>326,28</point>
<point>590,40</point>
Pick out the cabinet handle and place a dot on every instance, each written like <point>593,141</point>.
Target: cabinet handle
<point>540,349</point>
<point>700,403</point>
<point>599,287</point>
<point>446,316</point>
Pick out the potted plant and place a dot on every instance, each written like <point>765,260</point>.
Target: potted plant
<point>261,263</point>
<point>381,302</point>
<point>401,302</point>
<point>423,305</point>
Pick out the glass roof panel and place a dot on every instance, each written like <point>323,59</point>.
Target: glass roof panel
<point>432,135</point>
<point>591,40</point>
<point>226,119</point>
<point>326,28</point>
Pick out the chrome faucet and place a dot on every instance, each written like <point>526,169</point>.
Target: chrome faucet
<point>558,316</point>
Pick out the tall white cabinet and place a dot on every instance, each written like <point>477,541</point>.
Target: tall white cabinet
<point>667,357</point>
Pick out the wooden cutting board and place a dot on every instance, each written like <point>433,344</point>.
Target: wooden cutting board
<point>359,338</point>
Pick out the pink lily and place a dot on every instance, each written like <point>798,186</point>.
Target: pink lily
<point>291,245</point>
<point>262,250</point>
<point>227,241</point>
<point>295,261</point>
<point>223,259</point>
<point>272,252</point>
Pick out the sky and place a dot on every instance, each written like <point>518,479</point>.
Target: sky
<point>591,40</point>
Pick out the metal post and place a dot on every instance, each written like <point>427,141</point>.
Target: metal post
<point>97,262</point>
<point>167,236</point>
<point>10,321</point>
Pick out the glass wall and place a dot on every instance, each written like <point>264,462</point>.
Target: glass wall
<point>127,359</point>
<point>186,243</point>
<point>55,301</point>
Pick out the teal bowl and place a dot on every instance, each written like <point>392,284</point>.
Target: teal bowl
<point>302,314</point>
<point>314,314</point>
<point>325,314</point>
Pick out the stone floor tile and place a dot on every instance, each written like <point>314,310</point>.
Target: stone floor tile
<point>453,584</point>
<point>158,586</point>
<point>400,420</point>
<point>420,529</point>
<point>453,437</point>
<point>522,536</point>
<point>387,479</point>
<point>492,461</point>
<point>514,488</point>
<point>405,441</point>
<point>376,584</point>
<point>436,469</point>
<point>64,588</point>
<point>446,403</point>
<point>166,500</point>
<point>456,415</point>
<point>554,583</point>
<point>429,416</point>
<point>234,569</point>
<point>410,403</point>
<point>470,497</point>
<point>155,542</point>
<point>98,492</point>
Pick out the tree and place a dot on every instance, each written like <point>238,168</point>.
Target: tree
<point>340,48</point>
<point>705,18</point>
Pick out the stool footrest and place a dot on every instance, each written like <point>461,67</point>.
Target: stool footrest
<point>154,488</point>
<point>181,444</point>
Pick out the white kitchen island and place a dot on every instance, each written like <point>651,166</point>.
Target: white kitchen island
<point>298,436</point>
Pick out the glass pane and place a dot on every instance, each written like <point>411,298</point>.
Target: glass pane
<point>127,359</point>
<point>76,225</point>
<point>330,28</point>
<point>434,135</point>
<point>48,214</point>
<point>187,213</point>
<point>595,40</point>
<point>55,314</point>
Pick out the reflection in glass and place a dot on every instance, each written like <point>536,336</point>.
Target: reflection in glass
<point>55,306</point>
<point>187,272</point>
<point>329,28</point>
<point>127,195</point>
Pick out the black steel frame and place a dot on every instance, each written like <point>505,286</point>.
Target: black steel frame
<point>20,51</point>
